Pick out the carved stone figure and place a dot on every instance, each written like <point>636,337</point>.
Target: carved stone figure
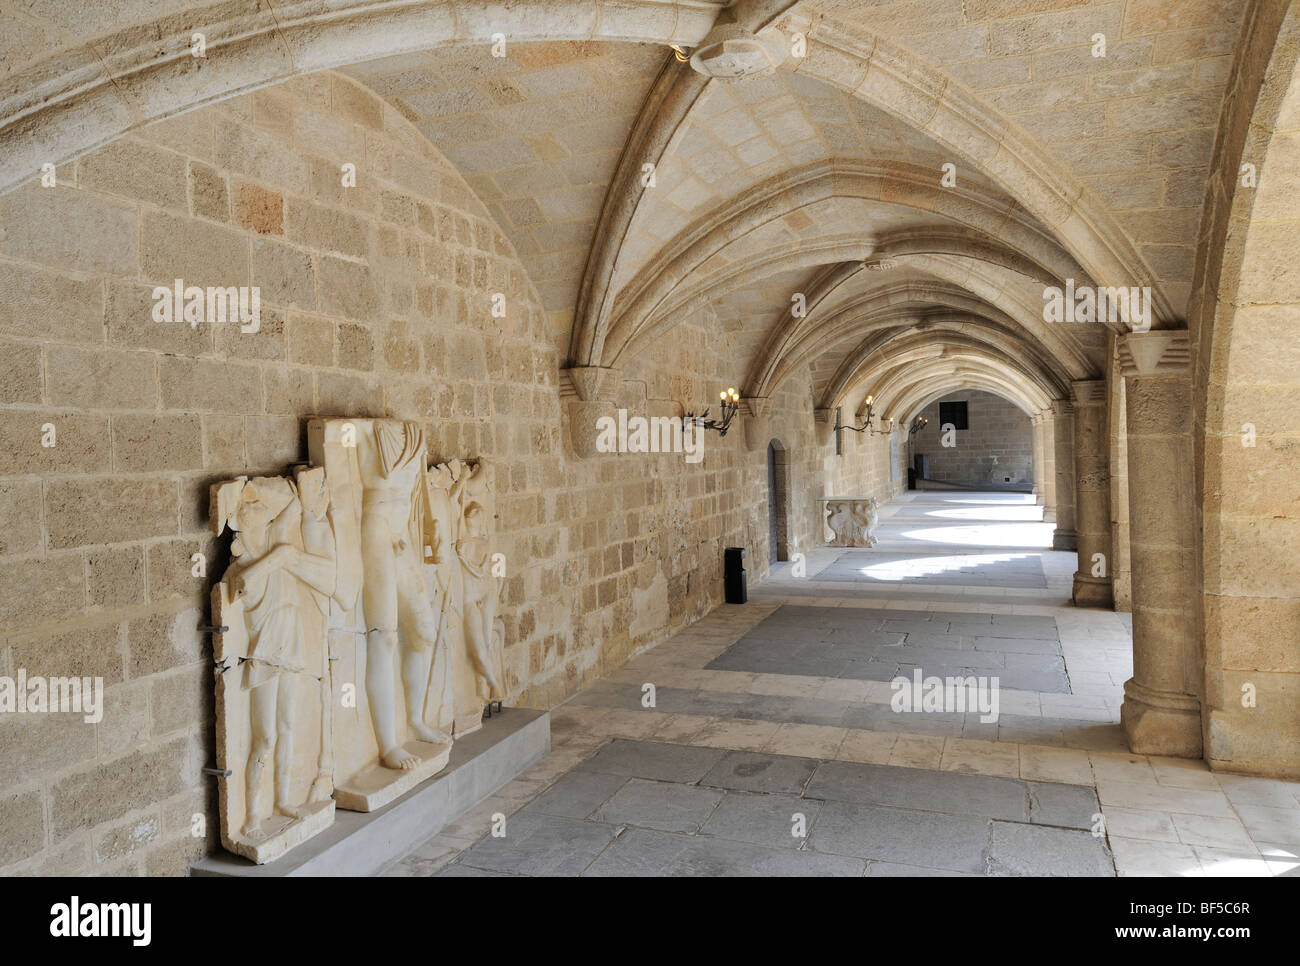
<point>392,462</point>
<point>273,663</point>
<point>482,588</point>
<point>358,629</point>
<point>388,627</point>
<point>852,522</point>
<point>446,588</point>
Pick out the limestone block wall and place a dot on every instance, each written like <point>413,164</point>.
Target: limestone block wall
<point>998,429</point>
<point>375,299</point>
<point>863,467</point>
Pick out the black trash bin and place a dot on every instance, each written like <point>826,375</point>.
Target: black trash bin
<point>734,575</point>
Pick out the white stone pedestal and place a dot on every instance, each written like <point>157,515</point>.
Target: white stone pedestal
<point>365,843</point>
<point>850,521</point>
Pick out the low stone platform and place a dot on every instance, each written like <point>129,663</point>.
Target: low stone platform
<point>364,843</point>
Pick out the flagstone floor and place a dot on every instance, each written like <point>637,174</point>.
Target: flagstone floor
<point>772,747</point>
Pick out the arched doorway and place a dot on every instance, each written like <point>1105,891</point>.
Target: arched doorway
<point>778,510</point>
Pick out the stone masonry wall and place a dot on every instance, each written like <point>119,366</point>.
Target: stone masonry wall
<point>375,299</point>
<point>998,429</point>
<point>863,468</point>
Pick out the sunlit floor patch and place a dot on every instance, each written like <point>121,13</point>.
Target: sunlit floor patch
<point>1035,535</point>
<point>1017,514</point>
<point>974,569</point>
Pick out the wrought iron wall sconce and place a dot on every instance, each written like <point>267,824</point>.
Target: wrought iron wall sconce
<point>730,406</point>
<point>866,427</point>
<point>918,424</point>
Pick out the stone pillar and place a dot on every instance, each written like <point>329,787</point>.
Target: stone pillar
<point>1065,537</point>
<point>1036,441</point>
<point>1092,494</point>
<point>1046,433</point>
<point>1120,570</point>
<point>1161,714</point>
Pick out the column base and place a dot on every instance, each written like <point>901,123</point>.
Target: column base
<point>1161,722</point>
<point>1093,591</point>
<point>1065,540</point>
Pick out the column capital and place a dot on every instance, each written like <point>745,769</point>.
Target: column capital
<point>1160,352</point>
<point>1088,392</point>
<point>590,383</point>
<point>1062,407</point>
<point>756,411</point>
<point>823,416</point>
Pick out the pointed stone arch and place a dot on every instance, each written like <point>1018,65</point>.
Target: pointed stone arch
<point>1245,360</point>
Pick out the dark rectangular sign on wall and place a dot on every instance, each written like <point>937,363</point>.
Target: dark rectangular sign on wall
<point>954,413</point>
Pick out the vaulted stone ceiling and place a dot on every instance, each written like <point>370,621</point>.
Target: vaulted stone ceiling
<point>1136,126</point>
<point>1069,164</point>
<point>537,134</point>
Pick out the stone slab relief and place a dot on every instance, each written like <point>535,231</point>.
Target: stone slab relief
<point>852,523</point>
<point>358,634</point>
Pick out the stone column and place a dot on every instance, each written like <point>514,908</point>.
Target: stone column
<point>1063,443</point>
<point>1092,494</point>
<point>1046,432</point>
<point>1161,714</point>
<point>1036,441</point>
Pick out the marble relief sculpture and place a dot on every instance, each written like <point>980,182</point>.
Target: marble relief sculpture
<point>482,589</point>
<point>852,522</point>
<point>273,673</point>
<point>357,629</point>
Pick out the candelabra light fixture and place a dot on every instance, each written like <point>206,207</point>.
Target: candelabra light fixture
<point>918,424</point>
<point>730,400</point>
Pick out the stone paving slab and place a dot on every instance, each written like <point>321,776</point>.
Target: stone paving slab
<point>1030,850</point>
<point>639,852</point>
<point>539,844</point>
<point>655,760</point>
<point>893,870</point>
<point>1034,729</point>
<point>665,806</point>
<point>767,820</point>
<point>578,794</point>
<point>1067,806</point>
<point>758,772</point>
<point>865,644</point>
<point>937,791</point>
<point>929,839</point>
<point>663,809</point>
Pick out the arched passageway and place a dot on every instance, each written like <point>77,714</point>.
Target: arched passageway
<point>543,239</point>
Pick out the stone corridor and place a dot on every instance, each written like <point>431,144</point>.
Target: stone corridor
<point>367,366</point>
<point>774,717</point>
